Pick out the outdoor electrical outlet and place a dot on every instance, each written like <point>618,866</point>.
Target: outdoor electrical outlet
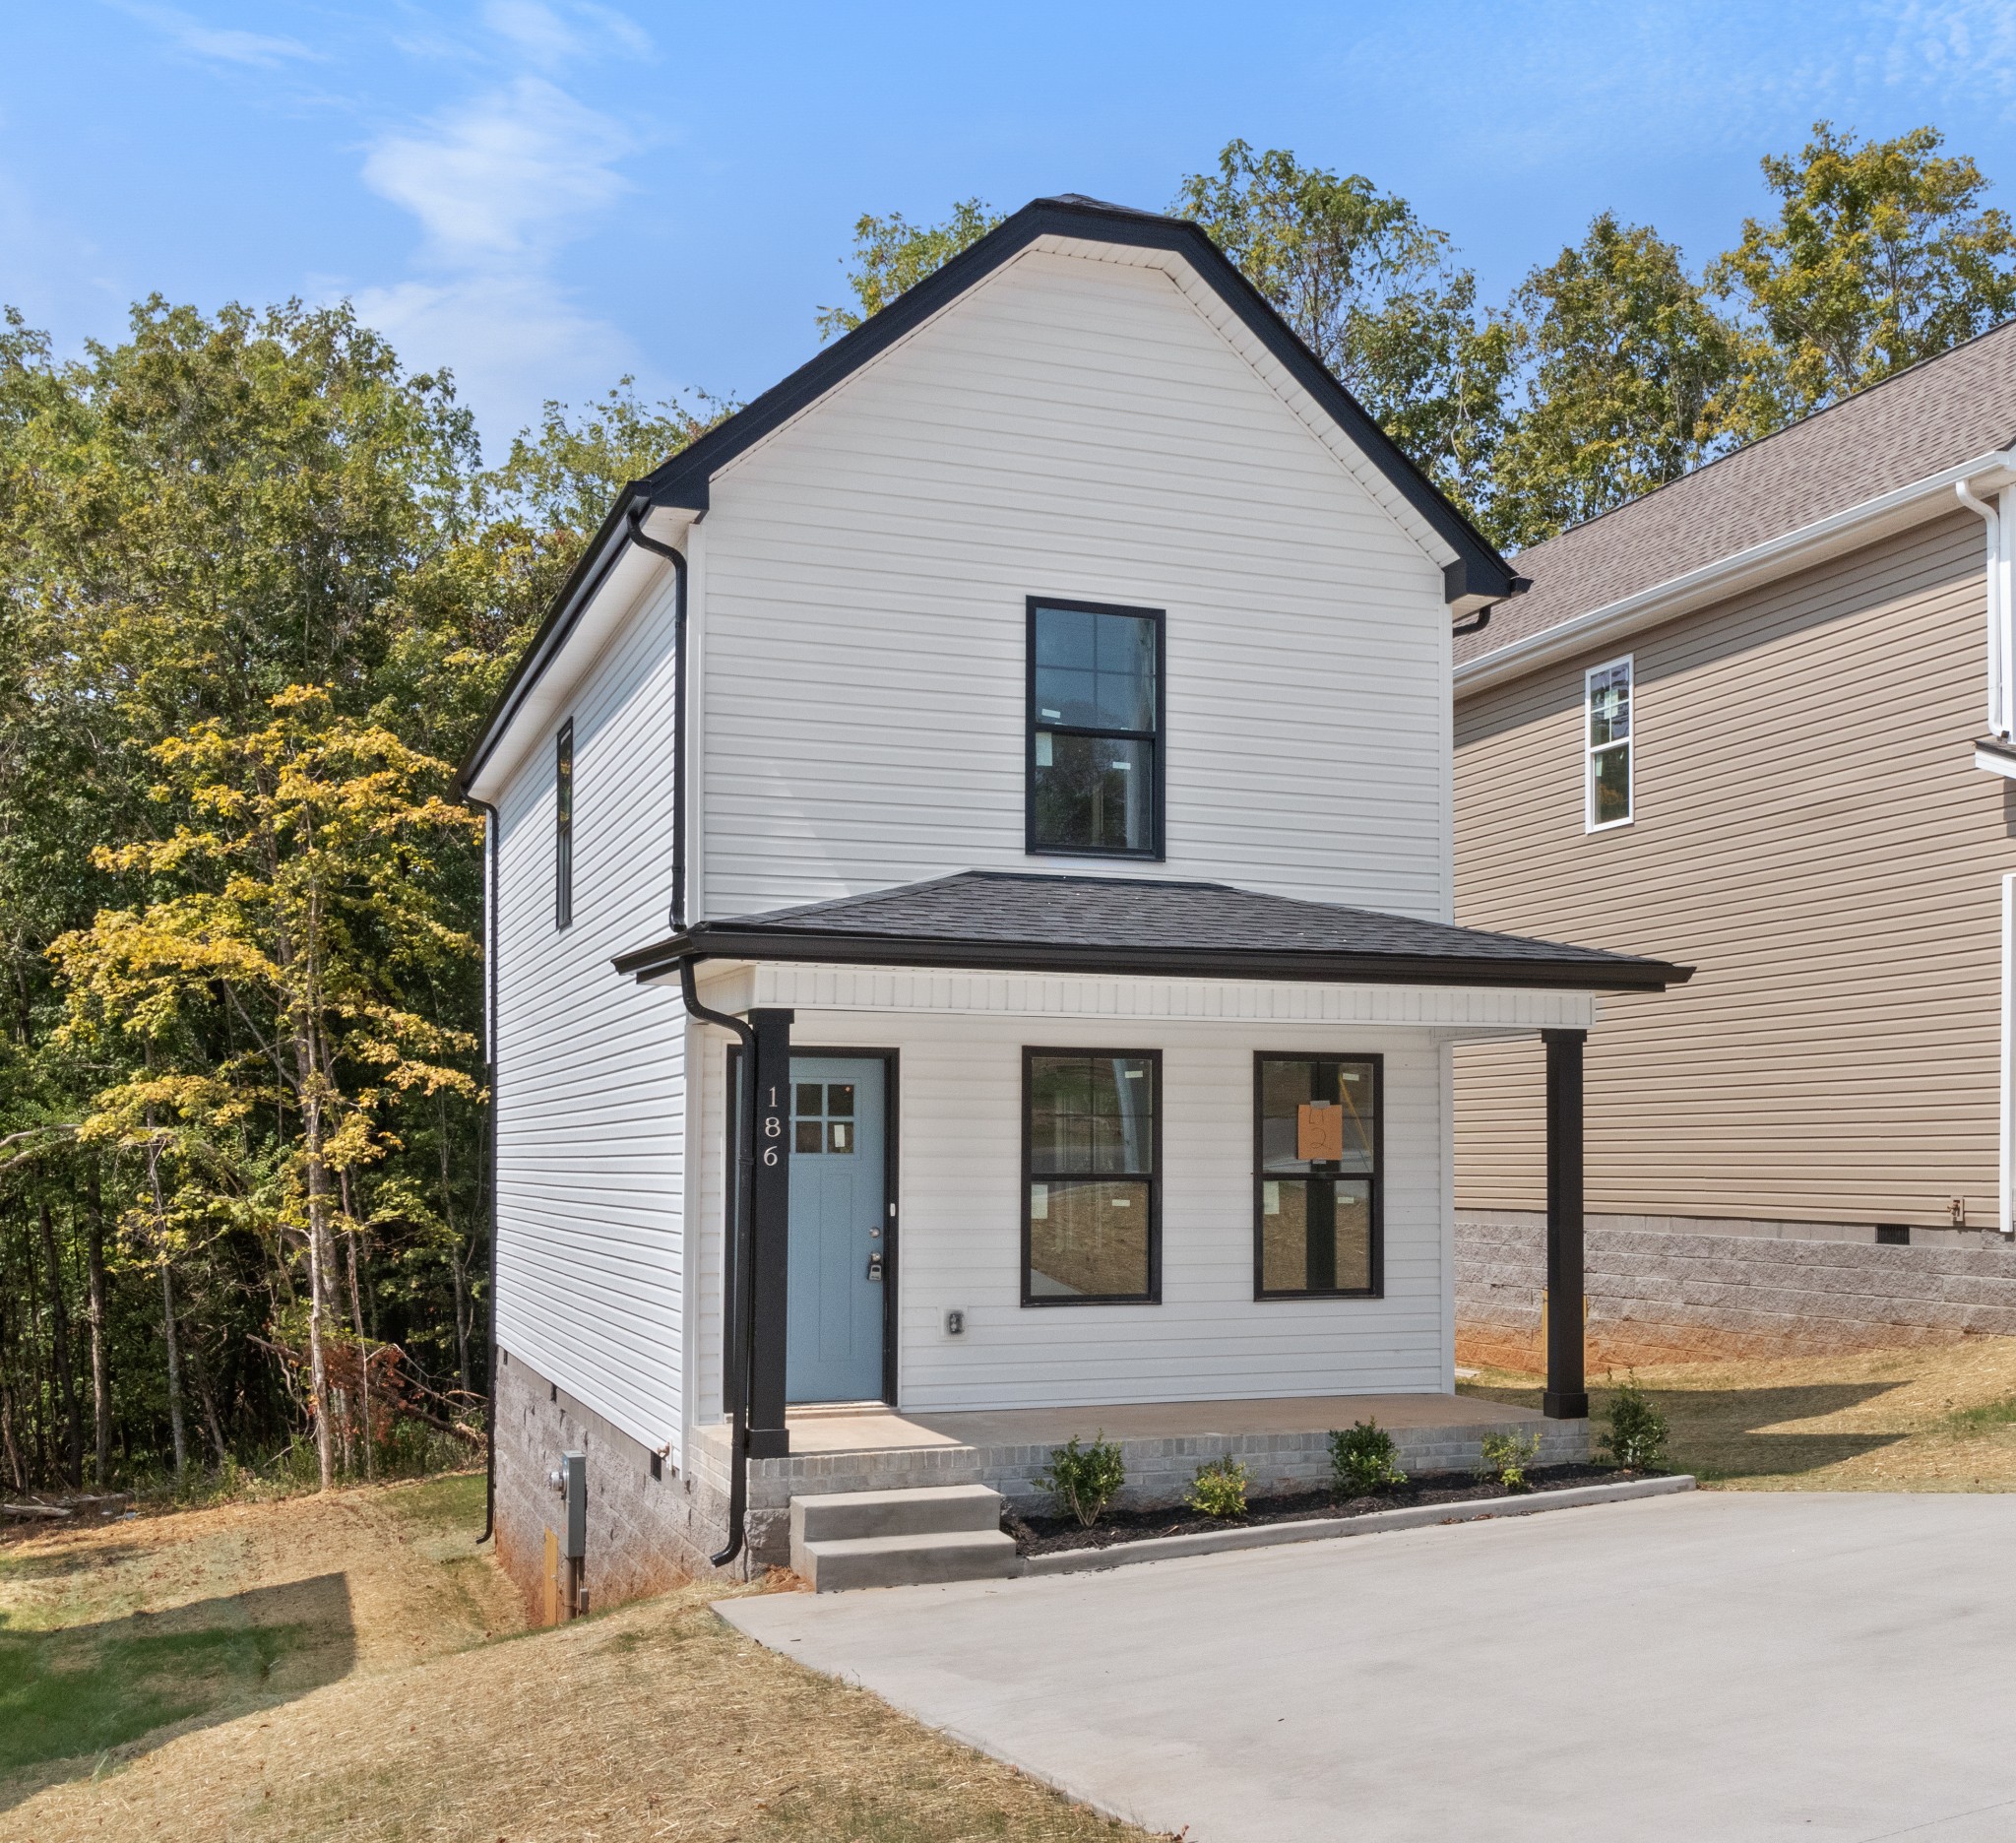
<point>954,1324</point>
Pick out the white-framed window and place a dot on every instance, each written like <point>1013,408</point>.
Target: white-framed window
<point>1607,745</point>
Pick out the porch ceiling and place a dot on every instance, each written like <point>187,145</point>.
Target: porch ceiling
<point>1011,921</point>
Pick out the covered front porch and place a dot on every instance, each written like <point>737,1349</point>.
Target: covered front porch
<point>892,1052</point>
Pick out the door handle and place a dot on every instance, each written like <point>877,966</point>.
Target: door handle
<point>876,1265</point>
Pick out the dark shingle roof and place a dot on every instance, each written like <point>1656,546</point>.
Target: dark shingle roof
<point>1002,919</point>
<point>1949,410</point>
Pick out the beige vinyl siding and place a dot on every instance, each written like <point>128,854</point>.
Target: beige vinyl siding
<point>1811,834</point>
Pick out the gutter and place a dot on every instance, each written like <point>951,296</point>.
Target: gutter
<point>739,1288</point>
<point>1838,531</point>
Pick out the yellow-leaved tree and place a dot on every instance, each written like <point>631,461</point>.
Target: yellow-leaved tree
<point>300,913</point>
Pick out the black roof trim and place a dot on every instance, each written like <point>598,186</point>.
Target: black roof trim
<point>684,479</point>
<point>990,920</point>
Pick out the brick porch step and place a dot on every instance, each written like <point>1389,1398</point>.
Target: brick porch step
<point>844,1539</point>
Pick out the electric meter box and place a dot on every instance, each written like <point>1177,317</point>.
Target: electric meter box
<point>574,1487</point>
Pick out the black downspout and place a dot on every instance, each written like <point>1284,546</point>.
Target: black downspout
<point>736,1328</point>
<point>645,541</point>
<point>1484,620</point>
<point>492,846</point>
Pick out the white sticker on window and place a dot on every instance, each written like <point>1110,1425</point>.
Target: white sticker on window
<point>1269,1197</point>
<point>1043,748</point>
<point>1038,1202</point>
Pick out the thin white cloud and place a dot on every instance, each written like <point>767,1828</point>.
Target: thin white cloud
<point>511,340</point>
<point>221,44</point>
<point>514,172</point>
<point>577,29</point>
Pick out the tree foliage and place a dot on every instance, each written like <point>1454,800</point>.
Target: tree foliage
<point>256,590</point>
<point>893,255</point>
<point>1881,255</point>
<point>1627,374</point>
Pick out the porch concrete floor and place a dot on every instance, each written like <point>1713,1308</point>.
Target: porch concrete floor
<point>870,1427</point>
<point>1724,1666</point>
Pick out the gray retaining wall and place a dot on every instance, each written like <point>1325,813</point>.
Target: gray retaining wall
<point>1668,1295</point>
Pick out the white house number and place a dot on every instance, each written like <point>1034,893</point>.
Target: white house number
<point>772,1128</point>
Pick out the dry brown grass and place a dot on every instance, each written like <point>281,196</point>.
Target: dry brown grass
<point>1929,1418</point>
<point>655,1721</point>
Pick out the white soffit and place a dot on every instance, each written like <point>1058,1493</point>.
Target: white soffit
<point>1833,536</point>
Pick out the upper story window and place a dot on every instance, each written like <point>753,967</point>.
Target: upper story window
<point>1094,730</point>
<point>1607,745</point>
<point>563,826</point>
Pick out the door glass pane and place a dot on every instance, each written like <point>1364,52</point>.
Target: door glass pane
<point>806,1137</point>
<point>1088,1238</point>
<point>811,1097</point>
<point>1095,793</point>
<point>840,1135</point>
<point>840,1098</point>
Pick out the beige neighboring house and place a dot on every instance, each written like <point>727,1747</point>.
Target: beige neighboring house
<point>1760,721</point>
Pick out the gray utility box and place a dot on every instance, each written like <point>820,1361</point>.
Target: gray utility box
<point>574,1487</point>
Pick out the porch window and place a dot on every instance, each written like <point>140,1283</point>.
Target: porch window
<point>1316,1175</point>
<point>1094,730</point>
<point>563,826</point>
<point>1607,696</point>
<point>1091,1196</point>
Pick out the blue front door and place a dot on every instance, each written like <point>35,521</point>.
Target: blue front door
<point>838,1233</point>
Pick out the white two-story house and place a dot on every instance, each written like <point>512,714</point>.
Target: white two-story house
<point>971,876</point>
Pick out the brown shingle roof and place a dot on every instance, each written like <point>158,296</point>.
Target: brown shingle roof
<point>1937,414</point>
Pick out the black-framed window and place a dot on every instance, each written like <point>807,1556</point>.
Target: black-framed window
<point>563,826</point>
<point>1317,1178</point>
<point>1092,1176</point>
<point>1096,683</point>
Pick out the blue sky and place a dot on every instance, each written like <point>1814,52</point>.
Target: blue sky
<point>545,194</point>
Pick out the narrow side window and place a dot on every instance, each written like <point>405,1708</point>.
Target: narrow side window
<point>563,826</point>
<point>1607,745</point>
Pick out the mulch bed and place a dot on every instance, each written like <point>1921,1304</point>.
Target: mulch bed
<point>1047,1534</point>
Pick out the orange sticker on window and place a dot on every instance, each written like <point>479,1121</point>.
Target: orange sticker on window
<point>1319,1132</point>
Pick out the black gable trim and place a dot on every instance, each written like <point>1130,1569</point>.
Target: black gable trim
<point>683,479</point>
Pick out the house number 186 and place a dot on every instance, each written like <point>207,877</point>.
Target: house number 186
<point>772,1128</point>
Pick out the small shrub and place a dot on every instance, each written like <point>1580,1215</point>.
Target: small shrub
<point>1220,1488</point>
<point>1636,1441</point>
<point>1082,1479</point>
<point>1362,1461</point>
<point>1505,1458</point>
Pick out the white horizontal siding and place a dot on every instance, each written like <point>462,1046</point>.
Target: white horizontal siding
<point>591,1089</point>
<point>1074,429</point>
<point>960,1201</point>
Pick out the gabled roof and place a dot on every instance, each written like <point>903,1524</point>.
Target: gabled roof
<point>1002,920</point>
<point>1940,416</point>
<point>683,481</point>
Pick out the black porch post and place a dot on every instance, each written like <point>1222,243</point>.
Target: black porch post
<point>1566,1397</point>
<point>770,1234</point>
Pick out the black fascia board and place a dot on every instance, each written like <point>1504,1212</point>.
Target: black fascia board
<point>683,479</point>
<point>727,941</point>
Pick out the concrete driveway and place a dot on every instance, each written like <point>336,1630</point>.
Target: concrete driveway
<point>1712,1667</point>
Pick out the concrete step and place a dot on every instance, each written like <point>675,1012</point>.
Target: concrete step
<point>844,1562</point>
<point>841,1516</point>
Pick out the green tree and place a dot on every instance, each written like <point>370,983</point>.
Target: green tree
<point>892,255</point>
<point>1627,371</point>
<point>1375,293</point>
<point>1881,255</point>
<point>301,894</point>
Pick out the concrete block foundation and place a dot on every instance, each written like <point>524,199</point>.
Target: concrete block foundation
<point>1671,1293</point>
